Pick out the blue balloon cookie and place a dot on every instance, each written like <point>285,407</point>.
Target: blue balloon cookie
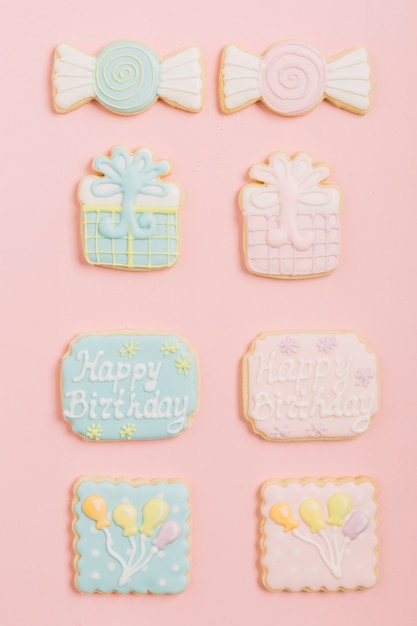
<point>131,536</point>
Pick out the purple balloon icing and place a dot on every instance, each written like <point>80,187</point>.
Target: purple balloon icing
<point>356,524</point>
<point>168,533</point>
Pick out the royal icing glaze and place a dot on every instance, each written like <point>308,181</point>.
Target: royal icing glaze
<point>293,78</point>
<point>127,77</point>
<point>319,534</point>
<point>131,536</point>
<point>291,218</point>
<point>129,213</point>
<point>313,385</point>
<point>123,386</point>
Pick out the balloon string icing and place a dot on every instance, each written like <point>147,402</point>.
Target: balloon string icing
<point>109,548</point>
<point>335,568</point>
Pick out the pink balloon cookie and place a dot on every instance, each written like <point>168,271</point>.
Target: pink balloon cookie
<point>319,535</point>
<point>293,78</point>
<point>310,385</point>
<point>291,218</point>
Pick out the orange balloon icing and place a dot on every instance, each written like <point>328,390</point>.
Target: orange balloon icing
<point>95,508</point>
<point>281,514</point>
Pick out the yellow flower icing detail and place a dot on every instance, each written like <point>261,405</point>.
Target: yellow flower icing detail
<point>126,431</point>
<point>130,349</point>
<point>94,432</point>
<point>169,348</point>
<point>183,364</point>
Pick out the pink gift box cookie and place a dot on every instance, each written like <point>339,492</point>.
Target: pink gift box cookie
<point>310,385</point>
<point>291,218</point>
<point>319,535</point>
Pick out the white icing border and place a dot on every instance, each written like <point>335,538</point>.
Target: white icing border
<point>248,207</point>
<point>86,196</point>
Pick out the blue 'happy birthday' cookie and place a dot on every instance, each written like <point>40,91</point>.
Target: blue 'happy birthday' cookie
<point>126,386</point>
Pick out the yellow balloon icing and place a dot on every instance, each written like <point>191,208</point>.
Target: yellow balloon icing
<point>125,516</point>
<point>95,508</point>
<point>154,512</point>
<point>312,514</point>
<point>281,514</point>
<point>338,507</point>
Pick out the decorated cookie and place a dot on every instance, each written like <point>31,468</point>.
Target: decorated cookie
<point>291,218</point>
<point>293,78</point>
<point>127,77</point>
<point>131,536</point>
<point>319,535</point>
<point>129,212</point>
<point>310,385</point>
<point>123,386</point>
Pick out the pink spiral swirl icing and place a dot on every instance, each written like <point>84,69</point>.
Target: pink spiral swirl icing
<point>293,77</point>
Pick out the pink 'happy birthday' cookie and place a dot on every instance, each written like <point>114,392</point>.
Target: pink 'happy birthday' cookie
<point>310,385</point>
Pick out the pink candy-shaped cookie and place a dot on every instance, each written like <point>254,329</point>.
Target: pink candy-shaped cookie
<point>293,78</point>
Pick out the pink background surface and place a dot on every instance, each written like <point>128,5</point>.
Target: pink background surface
<point>49,295</point>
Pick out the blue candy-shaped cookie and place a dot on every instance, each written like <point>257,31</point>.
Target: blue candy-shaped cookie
<point>127,77</point>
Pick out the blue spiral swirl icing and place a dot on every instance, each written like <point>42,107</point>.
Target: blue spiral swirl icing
<point>126,77</point>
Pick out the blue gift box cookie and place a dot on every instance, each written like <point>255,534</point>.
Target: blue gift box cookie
<point>131,536</point>
<point>129,213</point>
